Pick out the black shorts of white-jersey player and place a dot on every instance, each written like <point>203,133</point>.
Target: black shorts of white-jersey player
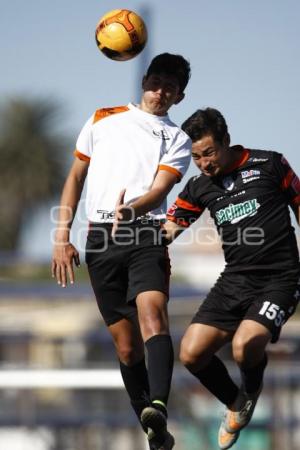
<point>248,194</point>
<point>129,147</point>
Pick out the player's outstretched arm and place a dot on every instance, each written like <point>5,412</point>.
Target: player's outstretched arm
<point>162,185</point>
<point>296,210</point>
<point>172,231</point>
<point>64,253</point>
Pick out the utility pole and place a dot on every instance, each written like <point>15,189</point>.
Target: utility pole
<point>144,58</point>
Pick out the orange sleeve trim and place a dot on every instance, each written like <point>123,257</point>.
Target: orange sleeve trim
<point>170,169</point>
<point>287,180</point>
<point>296,200</point>
<point>187,205</point>
<point>81,156</point>
<point>180,222</point>
<point>105,112</point>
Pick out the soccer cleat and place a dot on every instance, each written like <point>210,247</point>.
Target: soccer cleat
<point>225,439</point>
<point>156,444</point>
<point>158,435</point>
<point>154,419</point>
<point>240,413</point>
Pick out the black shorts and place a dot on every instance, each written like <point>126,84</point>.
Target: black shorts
<point>135,261</point>
<point>269,298</point>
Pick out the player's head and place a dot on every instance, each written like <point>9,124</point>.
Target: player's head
<point>208,131</point>
<point>164,82</point>
<point>175,66</point>
<point>204,122</point>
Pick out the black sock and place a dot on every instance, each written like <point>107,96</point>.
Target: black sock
<point>216,379</point>
<point>252,377</point>
<point>160,369</point>
<point>135,379</point>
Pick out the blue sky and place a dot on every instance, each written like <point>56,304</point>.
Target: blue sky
<point>244,56</point>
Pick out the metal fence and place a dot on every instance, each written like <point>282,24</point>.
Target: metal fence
<point>89,410</point>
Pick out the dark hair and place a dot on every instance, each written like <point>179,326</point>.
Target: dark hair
<point>174,65</point>
<point>204,122</point>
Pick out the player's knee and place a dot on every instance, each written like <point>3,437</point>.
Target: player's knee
<point>248,350</point>
<point>128,354</point>
<point>156,322</point>
<point>188,359</point>
<point>242,351</point>
<point>239,350</point>
<point>125,355</point>
<point>191,358</point>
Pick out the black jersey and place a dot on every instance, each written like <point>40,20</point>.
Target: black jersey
<point>249,206</point>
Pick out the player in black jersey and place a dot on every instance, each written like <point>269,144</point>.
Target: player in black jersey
<point>248,194</point>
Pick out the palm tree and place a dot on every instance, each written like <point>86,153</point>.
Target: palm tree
<point>32,160</point>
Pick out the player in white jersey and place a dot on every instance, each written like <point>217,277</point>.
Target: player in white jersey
<point>125,147</point>
<point>139,148</point>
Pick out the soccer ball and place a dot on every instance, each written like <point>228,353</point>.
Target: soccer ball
<point>121,34</point>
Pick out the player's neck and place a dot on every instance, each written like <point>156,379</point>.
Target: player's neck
<point>236,156</point>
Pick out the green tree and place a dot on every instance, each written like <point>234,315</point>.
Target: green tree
<point>32,162</point>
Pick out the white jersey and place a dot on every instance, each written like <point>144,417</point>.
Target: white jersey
<point>126,147</point>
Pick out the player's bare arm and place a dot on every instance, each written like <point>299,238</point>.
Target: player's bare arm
<point>173,230</point>
<point>296,210</point>
<point>64,253</point>
<point>162,185</point>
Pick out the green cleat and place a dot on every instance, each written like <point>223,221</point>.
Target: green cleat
<point>167,442</point>
<point>156,422</point>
